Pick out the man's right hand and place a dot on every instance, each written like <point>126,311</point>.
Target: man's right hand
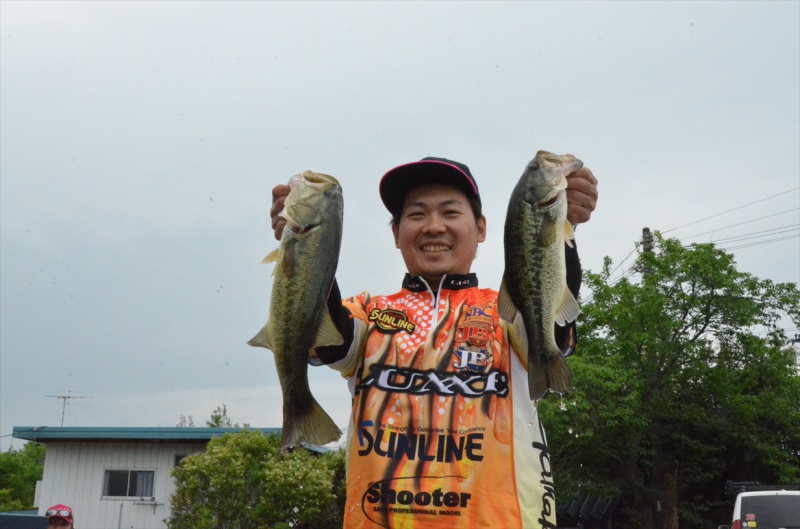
<point>279,194</point>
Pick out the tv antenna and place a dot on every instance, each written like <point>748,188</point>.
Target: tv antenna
<point>65,400</point>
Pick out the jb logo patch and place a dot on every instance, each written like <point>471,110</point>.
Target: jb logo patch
<point>471,358</point>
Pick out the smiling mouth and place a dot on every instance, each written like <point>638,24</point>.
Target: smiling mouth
<point>434,248</point>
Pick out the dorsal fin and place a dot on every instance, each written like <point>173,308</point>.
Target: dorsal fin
<point>261,339</point>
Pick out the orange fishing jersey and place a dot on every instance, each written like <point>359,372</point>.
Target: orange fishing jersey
<point>443,433</point>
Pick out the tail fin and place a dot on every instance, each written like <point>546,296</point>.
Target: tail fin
<point>554,375</point>
<point>311,425</point>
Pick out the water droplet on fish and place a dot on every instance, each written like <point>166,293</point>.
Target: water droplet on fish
<point>562,405</point>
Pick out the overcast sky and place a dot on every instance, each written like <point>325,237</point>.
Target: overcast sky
<point>139,142</point>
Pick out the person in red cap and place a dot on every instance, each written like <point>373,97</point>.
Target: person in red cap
<point>59,516</point>
<point>443,433</point>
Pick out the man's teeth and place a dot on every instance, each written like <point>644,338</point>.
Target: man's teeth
<point>437,248</point>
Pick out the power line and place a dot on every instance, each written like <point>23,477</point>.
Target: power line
<point>759,234</point>
<point>760,243</point>
<point>739,224</point>
<point>621,262</point>
<point>721,243</point>
<point>611,282</point>
<point>732,209</point>
<point>34,429</point>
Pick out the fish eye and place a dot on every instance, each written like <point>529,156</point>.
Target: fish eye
<point>533,166</point>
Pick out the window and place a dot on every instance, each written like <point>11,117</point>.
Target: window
<point>129,483</point>
<point>179,458</point>
<point>779,509</point>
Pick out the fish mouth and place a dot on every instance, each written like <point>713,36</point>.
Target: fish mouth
<point>300,230</point>
<point>551,200</point>
<point>317,180</point>
<point>566,163</point>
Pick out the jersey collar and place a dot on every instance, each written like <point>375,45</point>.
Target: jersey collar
<point>451,282</point>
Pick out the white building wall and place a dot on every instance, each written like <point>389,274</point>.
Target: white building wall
<point>74,475</point>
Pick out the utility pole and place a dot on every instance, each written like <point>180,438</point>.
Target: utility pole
<point>64,401</point>
<point>647,247</point>
<point>647,240</point>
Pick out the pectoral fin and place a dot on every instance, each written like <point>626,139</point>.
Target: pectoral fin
<point>569,233</point>
<point>568,310</point>
<point>272,257</point>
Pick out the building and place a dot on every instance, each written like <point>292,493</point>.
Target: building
<point>115,478</point>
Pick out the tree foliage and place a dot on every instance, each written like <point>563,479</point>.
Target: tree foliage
<point>244,481</point>
<point>219,419</point>
<point>684,379</point>
<point>185,421</point>
<point>19,472</point>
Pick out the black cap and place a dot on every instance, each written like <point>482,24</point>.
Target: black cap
<point>397,182</point>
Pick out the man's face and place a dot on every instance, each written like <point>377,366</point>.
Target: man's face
<point>58,523</point>
<point>438,234</point>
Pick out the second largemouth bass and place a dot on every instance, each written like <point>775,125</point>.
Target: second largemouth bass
<point>306,261</point>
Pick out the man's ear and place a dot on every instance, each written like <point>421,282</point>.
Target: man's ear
<point>482,228</point>
<point>395,229</point>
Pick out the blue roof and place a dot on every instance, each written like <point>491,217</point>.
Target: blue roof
<point>45,434</point>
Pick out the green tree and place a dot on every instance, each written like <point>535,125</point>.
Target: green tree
<point>244,481</point>
<point>19,472</point>
<point>684,379</point>
<point>219,419</point>
<point>185,421</point>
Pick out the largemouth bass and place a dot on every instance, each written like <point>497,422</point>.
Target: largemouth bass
<point>306,261</point>
<point>535,276</point>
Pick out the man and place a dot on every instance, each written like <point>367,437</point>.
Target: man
<point>443,433</point>
<point>59,516</point>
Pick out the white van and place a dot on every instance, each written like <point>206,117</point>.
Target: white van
<point>766,509</point>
